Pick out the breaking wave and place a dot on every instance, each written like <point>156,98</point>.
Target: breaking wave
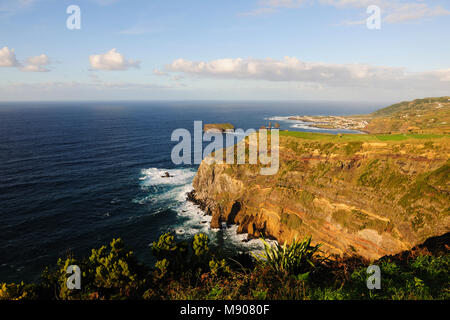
<point>155,176</point>
<point>171,193</point>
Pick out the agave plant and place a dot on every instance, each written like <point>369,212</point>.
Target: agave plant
<point>294,258</point>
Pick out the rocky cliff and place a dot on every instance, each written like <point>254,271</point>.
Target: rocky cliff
<point>356,194</point>
<point>222,127</point>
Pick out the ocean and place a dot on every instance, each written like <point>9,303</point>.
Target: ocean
<point>74,175</point>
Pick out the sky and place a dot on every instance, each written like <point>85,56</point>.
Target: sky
<point>224,50</point>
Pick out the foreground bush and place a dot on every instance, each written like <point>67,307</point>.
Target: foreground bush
<point>193,270</point>
<point>292,259</point>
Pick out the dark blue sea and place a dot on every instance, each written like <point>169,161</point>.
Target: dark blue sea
<point>75,175</point>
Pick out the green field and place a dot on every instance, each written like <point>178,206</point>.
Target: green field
<point>360,137</point>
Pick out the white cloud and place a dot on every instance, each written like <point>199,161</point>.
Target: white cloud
<point>11,7</point>
<point>414,11</point>
<point>8,58</point>
<point>291,69</point>
<point>111,60</point>
<point>38,60</point>
<point>269,6</point>
<point>158,72</point>
<point>283,3</point>
<point>393,11</point>
<point>37,64</point>
<point>259,11</point>
<point>75,90</point>
<point>97,85</point>
<point>33,64</point>
<point>444,74</point>
<point>288,69</point>
<point>104,2</point>
<point>355,3</point>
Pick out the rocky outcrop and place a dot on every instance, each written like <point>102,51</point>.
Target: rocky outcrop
<point>356,198</point>
<point>221,127</point>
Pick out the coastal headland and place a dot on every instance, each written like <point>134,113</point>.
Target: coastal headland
<point>364,195</point>
<point>222,127</point>
<point>429,115</point>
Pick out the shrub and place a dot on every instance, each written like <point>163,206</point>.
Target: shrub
<point>200,244</point>
<point>105,274</point>
<point>298,257</point>
<point>19,291</point>
<point>219,267</point>
<point>177,257</point>
<point>292,271</point>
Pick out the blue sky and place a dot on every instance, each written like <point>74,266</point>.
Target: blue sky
<point>252,49</point>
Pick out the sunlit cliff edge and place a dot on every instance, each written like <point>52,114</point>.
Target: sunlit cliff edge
<point>359,195</point>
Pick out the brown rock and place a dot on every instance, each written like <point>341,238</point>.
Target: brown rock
<point>353,203</point>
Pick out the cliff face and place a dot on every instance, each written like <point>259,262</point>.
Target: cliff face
<point>355,195</point>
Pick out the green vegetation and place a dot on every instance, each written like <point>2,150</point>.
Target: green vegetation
<point>409,106</point>
<point>385,183</point>
<point>429,115</point>
<point>193,270</point>
<point>305,197</point>
<point>291,220</point>
<point>295,258</point>
<point>382,176</point>
<point>431,185</point>
<point>422,116</point>
<point>357,194</point>
<point>356,220</point>
<point>353,147</point>
<point>360,137</point>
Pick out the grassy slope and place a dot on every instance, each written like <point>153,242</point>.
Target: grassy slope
<point>361,137</point>
<point>429,115</point>
<point>408,106</point>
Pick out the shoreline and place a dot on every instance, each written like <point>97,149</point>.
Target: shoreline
<point>333,122</point>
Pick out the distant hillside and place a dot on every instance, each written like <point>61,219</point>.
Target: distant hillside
<point>429,115</point>
<point>409,106</point>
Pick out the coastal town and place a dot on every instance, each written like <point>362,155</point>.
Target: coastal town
<point>333,122</point>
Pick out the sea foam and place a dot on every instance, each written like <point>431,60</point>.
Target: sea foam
<point>171,193</point>
<point>156,176</point>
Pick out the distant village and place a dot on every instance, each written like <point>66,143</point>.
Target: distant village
<point>332,122</point>
<point>323,122</point>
